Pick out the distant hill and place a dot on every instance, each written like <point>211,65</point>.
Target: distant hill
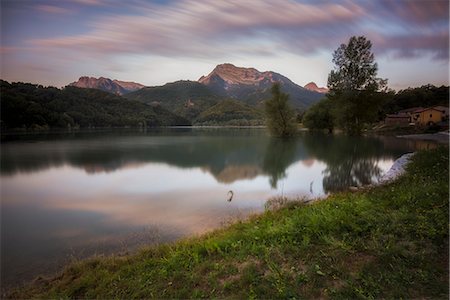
<point>231,112</point>
<point>312,86</point>
<point>185,98</point>
<point>105,84</point>
<point>192,100</point>
<point>253,87</point>
<point>25,105</point>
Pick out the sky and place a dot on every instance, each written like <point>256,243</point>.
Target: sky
<point>155,42</point>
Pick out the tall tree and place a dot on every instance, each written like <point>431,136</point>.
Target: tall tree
<point>353,85</point>
<point>280,116</point>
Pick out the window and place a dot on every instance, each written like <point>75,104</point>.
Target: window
<point>431,115</point>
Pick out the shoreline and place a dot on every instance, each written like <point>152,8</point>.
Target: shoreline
<point>329,249</point>
<point>397,169</point>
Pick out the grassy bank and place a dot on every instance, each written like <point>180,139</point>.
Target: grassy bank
<point>387,242</point>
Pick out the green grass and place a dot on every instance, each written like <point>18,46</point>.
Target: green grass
<point>389,241</point>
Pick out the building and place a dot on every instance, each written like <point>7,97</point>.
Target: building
<point>444,110</point>
<point>428,116</point>
<point>397,119</point>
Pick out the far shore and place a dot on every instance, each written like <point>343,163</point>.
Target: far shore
<point>440,137</point>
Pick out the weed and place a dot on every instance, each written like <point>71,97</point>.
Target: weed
<point>389,241</point>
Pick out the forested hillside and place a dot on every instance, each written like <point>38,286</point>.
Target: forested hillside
<point>185,98</point>
<point>231,112</point>
<point>25,105</point>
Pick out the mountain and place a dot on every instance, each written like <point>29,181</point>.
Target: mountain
<point>26,105</point>
<point>312,86</point>
<point>253,87</point>
<point>185,98</point>
<point>232,113</point>
<point>105,84</point>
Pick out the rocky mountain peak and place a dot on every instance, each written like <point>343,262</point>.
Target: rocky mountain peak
<point>231,74</point>
<point>312,86</point>
<point>105,84</point>
<point>253,87</point>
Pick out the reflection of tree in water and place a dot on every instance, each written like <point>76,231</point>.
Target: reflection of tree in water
<point>350,173</point>
<point>227,155</point>
<point>351,161</point>
<point>280,153</point>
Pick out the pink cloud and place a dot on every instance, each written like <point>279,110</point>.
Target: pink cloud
<point>193,28</point>
<point>52,9</point>
<point>206,29</point>
<point>416,12</point>
<point>414,45</point>
<point>91,2</point>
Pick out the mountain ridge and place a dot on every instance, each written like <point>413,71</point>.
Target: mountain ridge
<point>226,81</point>
<point>253,87</point>
<point>115,86</point>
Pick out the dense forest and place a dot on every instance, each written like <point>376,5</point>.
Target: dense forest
<point>232,113</point>
<point>184,98</point>
<point>30,106</point>
<point>322,114</point>
<point>424,96</point>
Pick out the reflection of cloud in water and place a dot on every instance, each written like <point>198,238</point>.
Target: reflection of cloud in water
<point>155,193</point>
<point>164,187</point>
<point>47,216</point>
<point>308,162</point>
<point>190,213</point>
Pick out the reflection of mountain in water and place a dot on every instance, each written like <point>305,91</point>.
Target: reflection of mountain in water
<point>237,172</point>
<point>229,155</point>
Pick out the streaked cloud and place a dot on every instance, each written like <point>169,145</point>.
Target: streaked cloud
<point>52,9</point>
<point>217,28</point>
<point>90,2</point>
<point>107,35</point>
<point>209,28</point>
<point>421,12</point>
<point>411,46</point>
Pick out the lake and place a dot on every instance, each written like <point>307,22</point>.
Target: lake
<point>70,195</point>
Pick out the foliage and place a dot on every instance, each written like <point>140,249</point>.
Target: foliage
<point>319,116</point>
<point>279,115</point>
<point>27,105</point>
<point>389,242</point>
<point>350,161</point>
<point>353,85</point>
<point>195,101</point>
<point>185,98</point>
<point>230,112</point>
<point>424,96</point>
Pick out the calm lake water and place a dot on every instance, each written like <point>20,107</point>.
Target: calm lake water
<point>71,195</point>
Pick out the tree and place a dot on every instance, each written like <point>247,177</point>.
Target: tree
<point>353,85</point>
<point>280,116</point>
<point>319,116</point>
